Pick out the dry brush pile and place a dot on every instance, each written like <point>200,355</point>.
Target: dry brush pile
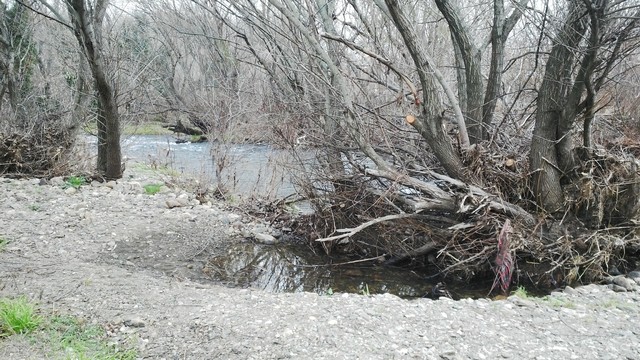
<point>40,151</point>
<point>494,229</point>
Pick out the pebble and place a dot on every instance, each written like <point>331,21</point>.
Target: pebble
<point>622,281</point>
<point>133,321</point>
<point>617,288</point>
<point>173,203</point>
<point>265,239</point>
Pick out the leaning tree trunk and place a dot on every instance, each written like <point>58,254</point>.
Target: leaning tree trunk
<point>429,122</point>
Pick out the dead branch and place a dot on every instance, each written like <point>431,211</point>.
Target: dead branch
<point>352,231</point>
<point>421,251</point>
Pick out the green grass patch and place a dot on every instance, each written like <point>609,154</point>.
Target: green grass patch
<point>556,302</point>
<point>3,243</point>
<point>75,181</point>
<point>76,340</point>
<point>149,128</point>
<point>152,189</point>
<point>521,292</point>
<point>57,336</point>
<point>17,316</point>
<point>365,290</point>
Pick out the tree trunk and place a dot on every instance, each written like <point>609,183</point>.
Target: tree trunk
<point>429,122</point>
<point>471,57</point>
<point>497,65</point>
<point>545,161</point>
<point>87,32</point>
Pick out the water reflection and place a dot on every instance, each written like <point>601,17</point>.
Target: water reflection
<point>291,268</point>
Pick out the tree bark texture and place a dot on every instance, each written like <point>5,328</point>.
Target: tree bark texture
<point>545,160</point>
<point>472,60</point>
<point>429,123</point>
<point>87,32</point>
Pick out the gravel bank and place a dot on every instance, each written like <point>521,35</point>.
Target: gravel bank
<point>65,252</point>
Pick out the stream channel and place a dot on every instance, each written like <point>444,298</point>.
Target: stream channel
<point>262,170</point>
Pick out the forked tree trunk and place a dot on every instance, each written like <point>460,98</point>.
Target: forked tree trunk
<point>545,158</point>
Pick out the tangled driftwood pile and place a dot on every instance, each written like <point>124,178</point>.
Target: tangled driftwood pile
<point>38,153</point>
<point>460,229</point>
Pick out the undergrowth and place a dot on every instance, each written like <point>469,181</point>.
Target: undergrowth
<point>17,316</point>
<point>3,243</point>
<point>75,182</point>
<point>57,336</point>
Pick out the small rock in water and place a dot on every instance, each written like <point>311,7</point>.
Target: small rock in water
<point>265,239</point>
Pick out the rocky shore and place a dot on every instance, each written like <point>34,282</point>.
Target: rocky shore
<point>80,250</point>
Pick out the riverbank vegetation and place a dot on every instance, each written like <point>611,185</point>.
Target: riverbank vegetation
<point>481,138</point>
<point>55,335</point>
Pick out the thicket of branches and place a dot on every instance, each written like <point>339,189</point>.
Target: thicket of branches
<point>471,135</point>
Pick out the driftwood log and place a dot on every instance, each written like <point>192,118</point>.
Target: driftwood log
<point>179,127</point>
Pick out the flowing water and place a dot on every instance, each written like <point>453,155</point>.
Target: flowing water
<point>243,169</point>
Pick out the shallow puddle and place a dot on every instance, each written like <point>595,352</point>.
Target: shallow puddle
<point>291,268</point>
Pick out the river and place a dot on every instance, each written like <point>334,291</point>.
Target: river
<point>246,169</point>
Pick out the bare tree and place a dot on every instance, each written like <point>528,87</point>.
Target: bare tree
<point>590,40</point>
<point>85,19</point>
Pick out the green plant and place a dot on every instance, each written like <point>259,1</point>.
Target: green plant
<point>3,242</point>
<point>147,128</point>
<point>329,292</point>
<point>152,189</point>
<point>78,341</point>
<point>365,290</point>
<point>521,292</point>
<point>34,207</point>
<point>17,316</point>
<point>75,181</point>
<point>558,302</point>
